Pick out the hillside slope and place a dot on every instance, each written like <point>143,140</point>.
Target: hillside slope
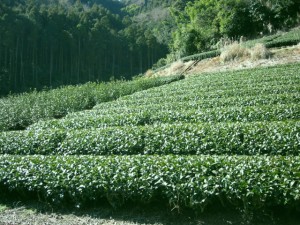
<point>270,50</point>
<point>228,139</point>
<point>278,56</point>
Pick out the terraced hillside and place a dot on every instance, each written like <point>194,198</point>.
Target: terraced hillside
<point>226,138</point>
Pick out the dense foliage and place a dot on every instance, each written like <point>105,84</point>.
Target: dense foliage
<point>53,43</point>
<point>231,139</point>
<point>19,111</point>
<point>49,43</point>
<point>201,23</point>
<point>223,138</point>
<point>275,138</point>
<point>246,96</point>
<point>255,182</point>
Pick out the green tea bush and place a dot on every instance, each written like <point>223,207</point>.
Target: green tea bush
<point>270,138</point>
<point>200,101</point>
<point>201,56</point>
<point>267,94</point>
<point>149,115</point>
<point>192,181</point>
<point>43,142</point>
<point>18,112</point>
<point>277,40</point>
<point>223,138</point>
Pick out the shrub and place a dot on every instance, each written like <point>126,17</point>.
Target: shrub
<point>193,181</point>
<point>19,111</point>
<point>275,138</point>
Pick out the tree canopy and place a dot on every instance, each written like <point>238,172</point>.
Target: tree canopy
<point>201,23</point>
<point>48,43</point>
<point>59,42</point>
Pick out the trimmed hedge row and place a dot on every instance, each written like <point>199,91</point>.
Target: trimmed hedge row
<point>215,99</point>
<point>283,43</point>
<point>271,138</point>
<point>184,101</point>
<point>195,102</point>
<point>263,40</point>
<point>192,181</point>
<point>275,80</point>
<point>277,40</point>
<point>287,39</point>
<point>201,56</point>
<point>151,115</point>
<point>18,112</point>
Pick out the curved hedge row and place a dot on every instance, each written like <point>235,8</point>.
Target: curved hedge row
<point>255,81</point>
<point>20,111</point>
<point>171,144</point>
<point>192,181</point>
<point>271,138</point>
<point>194,102</point>
<point>277,40</point>
<point>190,100</point>
<point>151,115</point>
<point>201,56</point>
<point>251,90</point>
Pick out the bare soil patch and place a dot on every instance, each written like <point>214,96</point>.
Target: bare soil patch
<point>278,57</point>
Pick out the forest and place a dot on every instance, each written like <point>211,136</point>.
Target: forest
<point>46,44</point>
<point>51,43</point>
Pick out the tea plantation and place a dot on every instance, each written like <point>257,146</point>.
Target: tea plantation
<point>226,138</point>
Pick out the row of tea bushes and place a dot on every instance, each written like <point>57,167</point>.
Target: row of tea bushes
<point>270,138</point>
<point>19,111</point>
<point>193,102</point>
<point>199,99</point>
<point>151,115</point>
<point>193,181</point>
<point>185,143</point>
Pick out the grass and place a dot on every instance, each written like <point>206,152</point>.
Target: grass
<point>237,51</point>
<point>233,52</point>
<point>259,51</point>
<point>290,38</point>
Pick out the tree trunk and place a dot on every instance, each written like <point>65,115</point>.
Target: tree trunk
<point>51,66</point>
<point>22,78</point>
<point>141,61</point>
<point>131,64</point>
<point>10,69</point>
<point>113,64</point>
<point>16,65</point>
<point>78,63</point>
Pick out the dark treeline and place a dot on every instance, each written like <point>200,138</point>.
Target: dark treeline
<point>49,43</point>
<point>59,42</point>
